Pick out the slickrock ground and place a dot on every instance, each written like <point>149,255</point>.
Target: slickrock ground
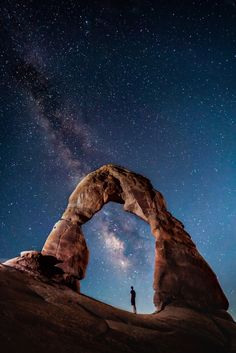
<point>38,315</point>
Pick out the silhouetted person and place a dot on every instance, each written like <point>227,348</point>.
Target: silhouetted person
<point>132,297</point>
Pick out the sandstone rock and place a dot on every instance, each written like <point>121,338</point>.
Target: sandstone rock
<point>181,274</point>
<point>38,315</point>
<point>35,263</point>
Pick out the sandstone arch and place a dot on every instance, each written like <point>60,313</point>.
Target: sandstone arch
<point>181,274</point>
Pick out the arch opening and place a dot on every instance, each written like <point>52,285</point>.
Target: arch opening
<point>121,252</point>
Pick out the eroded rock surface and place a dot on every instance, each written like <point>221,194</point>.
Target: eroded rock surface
<point>181,274</point>
<point>38,315</point>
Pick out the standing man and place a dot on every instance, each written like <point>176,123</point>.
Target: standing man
<point>132,297</point>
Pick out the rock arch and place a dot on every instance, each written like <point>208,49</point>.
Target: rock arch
<point>181,274</point>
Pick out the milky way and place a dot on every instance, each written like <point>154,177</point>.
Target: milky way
<point>147,85</point>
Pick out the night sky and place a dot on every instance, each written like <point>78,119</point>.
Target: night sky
<point>148,85</point>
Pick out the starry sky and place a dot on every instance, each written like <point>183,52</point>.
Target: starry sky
<point>149,85</point>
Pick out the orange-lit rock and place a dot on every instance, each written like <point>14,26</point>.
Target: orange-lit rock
<point>181,274</point>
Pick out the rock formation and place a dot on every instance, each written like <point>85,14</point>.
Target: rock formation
<point>181,274</point>
<point>39,315</point>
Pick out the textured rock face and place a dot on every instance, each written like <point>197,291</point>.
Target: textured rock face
<point>38,315</point>
<point>181,274</point>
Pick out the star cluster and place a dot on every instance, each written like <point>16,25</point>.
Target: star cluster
<point>148,85</point>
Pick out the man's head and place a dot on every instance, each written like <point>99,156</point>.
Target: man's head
<point>132,287</point>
